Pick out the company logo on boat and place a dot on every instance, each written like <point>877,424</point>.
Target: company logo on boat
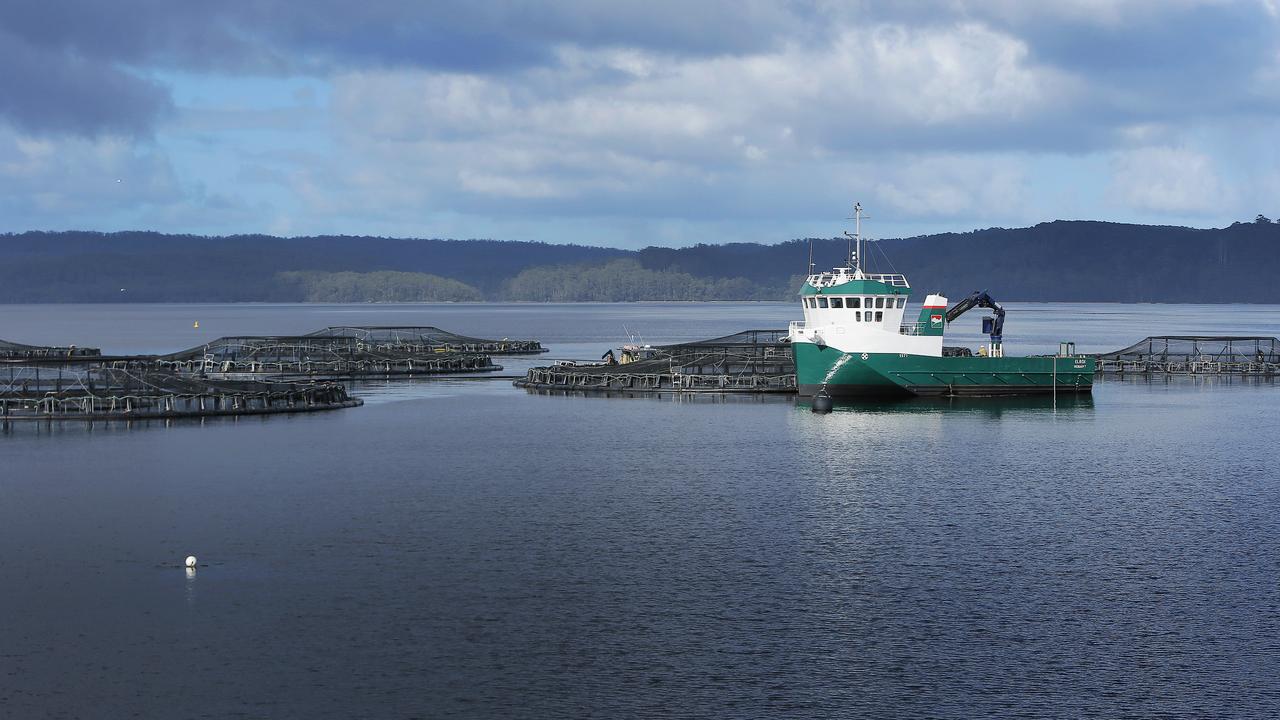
<point>935,319</point>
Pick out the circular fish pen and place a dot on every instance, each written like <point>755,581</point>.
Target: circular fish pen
<point>752,361</point>
<point>330,353</point>
<point>426,339</point>
<point>1254,355</point>
<point>71,392</point>
<point>18,351</point>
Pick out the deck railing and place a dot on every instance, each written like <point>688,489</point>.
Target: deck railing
<point>889,279</point>
<point>915,328</point>
<point>838,278</point>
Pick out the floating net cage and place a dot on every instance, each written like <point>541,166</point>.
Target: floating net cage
<point>318,356</point>
<point>18,351</point>
<point>343,351</point>
<point>69,391</point>
<point>427,339</point>
<point>1247,355</point>
<point>756,361</point>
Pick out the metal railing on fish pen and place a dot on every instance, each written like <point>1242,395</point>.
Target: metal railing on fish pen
<point>333,353</point>
<point>305,366</point>
<point>753,361</point>
<point>18,351</point>
<point>1196,355</point>
<point>427,338</point>
<point>96,393</point>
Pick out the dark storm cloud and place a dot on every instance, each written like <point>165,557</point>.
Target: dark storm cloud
<point>274,35</point>
<point>1178,62</point>
<point>495,36</point>
<point>81,66</point>
<point>45,89</point>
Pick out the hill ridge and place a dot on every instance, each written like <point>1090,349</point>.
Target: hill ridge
<point>1068,260</point>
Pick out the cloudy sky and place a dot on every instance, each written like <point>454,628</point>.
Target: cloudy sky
<point>634,123</point>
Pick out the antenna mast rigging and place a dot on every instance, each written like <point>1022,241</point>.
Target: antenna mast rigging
<point>855,257</point>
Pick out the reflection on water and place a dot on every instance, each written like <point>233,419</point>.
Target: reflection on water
<point>53,428</point>
<point>693,398</point>
<point>462,548</point>
<point>425,388</point>
<point>1186,381</point>
<point>989,406</point>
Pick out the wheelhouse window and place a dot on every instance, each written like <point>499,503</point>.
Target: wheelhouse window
<point>879,302</point>
<point>879,316</point>
<point>901,302</point>
<point>857,316</point>
<point>822,302</point>
<point>837,303</point>
<point>855,302</point>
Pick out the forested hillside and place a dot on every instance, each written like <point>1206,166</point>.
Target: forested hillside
<point>1063,260</point>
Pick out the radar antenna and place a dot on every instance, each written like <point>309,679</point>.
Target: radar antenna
<point>855,254</point>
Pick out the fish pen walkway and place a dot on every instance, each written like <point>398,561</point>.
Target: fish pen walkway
<point>375,352</point>
<point>332,353</point>
<point>18,351</point>
<point>70,392</point>
<point>1196,355</point>
<point>391,338</point>
<point>752,361</point>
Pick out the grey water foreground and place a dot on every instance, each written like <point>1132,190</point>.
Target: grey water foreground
<point>467,549</point>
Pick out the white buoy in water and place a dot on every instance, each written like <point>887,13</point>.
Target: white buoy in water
<point>191,561</point>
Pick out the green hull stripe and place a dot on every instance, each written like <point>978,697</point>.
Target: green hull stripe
<point>818,365</point>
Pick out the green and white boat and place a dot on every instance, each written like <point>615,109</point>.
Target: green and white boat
<point>853,342</point>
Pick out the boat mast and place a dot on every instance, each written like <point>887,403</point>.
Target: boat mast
<point>857,231</point>
<point>855,258</point>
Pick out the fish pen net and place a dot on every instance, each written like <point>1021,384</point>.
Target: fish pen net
<point>18,351</point>
<point>749,361</point>
<point>324,355</point>
<point>428,339</point>
<point>71,391</point>
<point>1248,355</point>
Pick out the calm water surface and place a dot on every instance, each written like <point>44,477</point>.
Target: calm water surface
<point>460,548</point>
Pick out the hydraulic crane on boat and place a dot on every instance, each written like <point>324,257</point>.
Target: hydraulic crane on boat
<point>992,325</point>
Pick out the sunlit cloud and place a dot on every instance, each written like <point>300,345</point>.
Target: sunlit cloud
<point>591,121</point>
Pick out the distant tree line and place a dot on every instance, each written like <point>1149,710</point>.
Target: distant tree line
<point>380,286</point>
<point>1062,260</point>
<point>627,280</point>
<point>615,281</point>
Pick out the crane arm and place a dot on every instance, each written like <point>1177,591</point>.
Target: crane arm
<point>980,298</point>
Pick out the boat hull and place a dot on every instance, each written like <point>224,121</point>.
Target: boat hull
<point>853,374</point>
